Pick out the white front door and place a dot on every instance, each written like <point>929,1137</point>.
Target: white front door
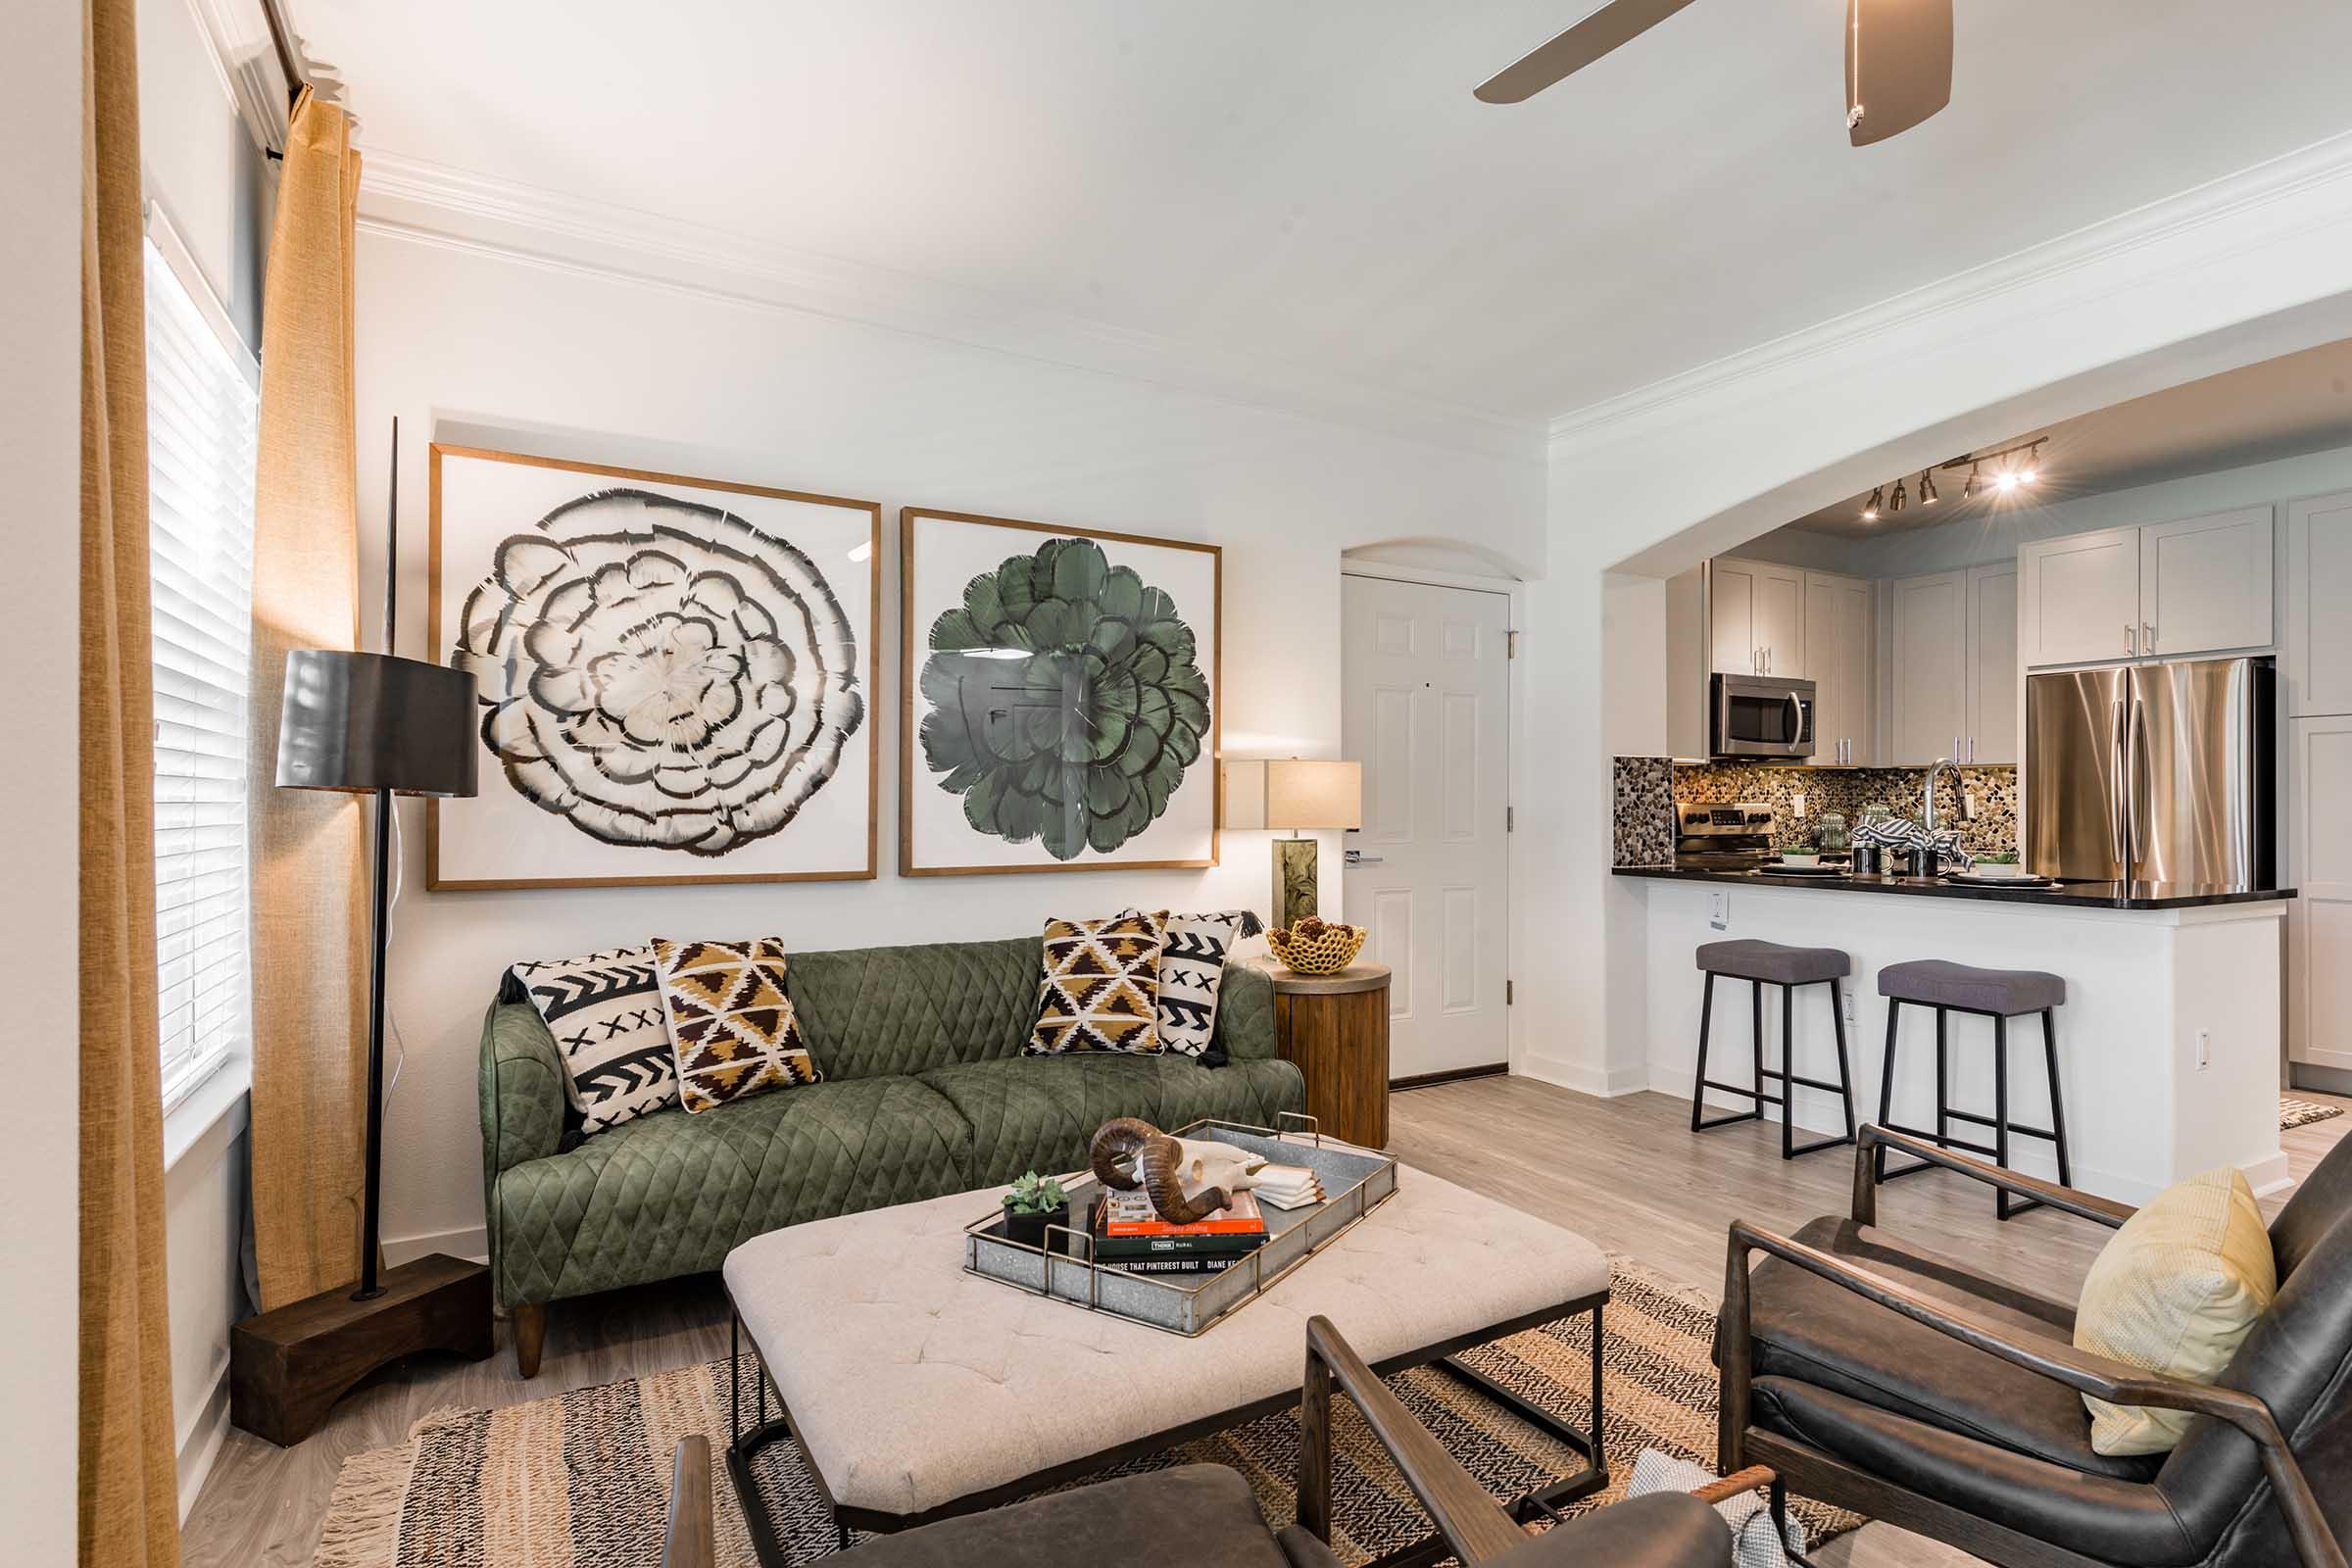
<point>1426,711</point>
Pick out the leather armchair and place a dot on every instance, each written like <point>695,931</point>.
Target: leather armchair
<point>1873,1373</point>
<point>1209,1509</point>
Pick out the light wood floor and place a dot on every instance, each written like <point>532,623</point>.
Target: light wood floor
<point>1626,1172</point>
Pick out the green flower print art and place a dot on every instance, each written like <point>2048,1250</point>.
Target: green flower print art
<point>1064,701</point>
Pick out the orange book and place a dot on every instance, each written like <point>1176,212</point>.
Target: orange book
<point>1132,1215</point>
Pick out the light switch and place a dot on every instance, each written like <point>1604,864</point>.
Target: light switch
<point>1968,805</point>
<point>1797,805</point>
<point>1719,909</point>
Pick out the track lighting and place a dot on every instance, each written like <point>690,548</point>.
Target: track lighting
<point>1968,491</point>
<point>1870,508</point>
<point>1927,489</point>
<point>1894,502</point>
<point>2018,464</point>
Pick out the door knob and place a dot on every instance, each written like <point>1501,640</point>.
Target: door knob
<point>1360,857</point>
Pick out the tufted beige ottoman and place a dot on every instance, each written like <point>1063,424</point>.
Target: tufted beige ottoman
<point>919,1391</point>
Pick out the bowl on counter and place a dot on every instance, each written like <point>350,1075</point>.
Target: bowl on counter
<point>1996,870</point>
<point>1802,859</point>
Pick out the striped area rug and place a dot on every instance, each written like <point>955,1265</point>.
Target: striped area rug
<point>583,1479</point>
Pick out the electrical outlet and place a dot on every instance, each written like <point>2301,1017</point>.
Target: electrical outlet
<point>1847,997</point>
<point>2204,1049</point>
<point>1719,909</point>
<point>1797,805</point>
<point>1968,805</point>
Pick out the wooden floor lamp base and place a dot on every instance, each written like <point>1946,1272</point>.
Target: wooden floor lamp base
<point>287,1368</point>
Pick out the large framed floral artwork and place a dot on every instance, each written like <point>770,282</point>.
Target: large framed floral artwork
<point>677,675</point>
<point>1062,696</point>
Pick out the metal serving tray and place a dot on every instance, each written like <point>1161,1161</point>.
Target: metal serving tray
<point>1356,1181</point>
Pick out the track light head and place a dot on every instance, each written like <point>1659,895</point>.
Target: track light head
<point>1870,508</point>
<point>1927,489</point>
<point>1894,502</point>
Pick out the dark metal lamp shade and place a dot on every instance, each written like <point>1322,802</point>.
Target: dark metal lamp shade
<point>373,721</point>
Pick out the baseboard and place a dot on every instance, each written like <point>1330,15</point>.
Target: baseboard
<point>1454,1075</point>
<point>2321,1077</point>
<point>200,1443</point>
<point>1601,1084</point>
<point>2268,1176</point>
<point>471,1244</point>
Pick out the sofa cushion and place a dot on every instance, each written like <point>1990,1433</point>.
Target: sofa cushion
<point>1191,967</point>
<point>871,1013</point>
<point>604,1013</point>
<point>669,1194</point>
<point>1099,989</point>
<point>1040,1113</point>
<point>731,1021</point>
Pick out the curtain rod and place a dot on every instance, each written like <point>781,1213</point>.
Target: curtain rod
<point>286,52</point>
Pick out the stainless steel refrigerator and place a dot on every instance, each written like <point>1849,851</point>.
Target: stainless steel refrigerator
<point>2158,772</point>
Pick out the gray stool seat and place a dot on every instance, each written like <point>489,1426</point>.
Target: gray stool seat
<point>1774,963</point>
<point>1940,983</point>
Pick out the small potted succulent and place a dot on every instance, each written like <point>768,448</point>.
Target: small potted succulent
<point>1035,1202</point>
<point>1999,865</point>
<point>1804,855</point>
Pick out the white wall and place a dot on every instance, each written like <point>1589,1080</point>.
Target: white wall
<point>484,348</point>
<point>41,324</point>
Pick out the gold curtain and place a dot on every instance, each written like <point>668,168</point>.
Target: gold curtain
<point>309,869</point>
<point>127,1495</point>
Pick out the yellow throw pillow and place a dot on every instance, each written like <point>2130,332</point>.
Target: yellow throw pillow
<point>731,1025</point>
<point>2175,1291</point>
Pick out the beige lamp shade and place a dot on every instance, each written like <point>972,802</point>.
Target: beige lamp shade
<point>1296,794</point>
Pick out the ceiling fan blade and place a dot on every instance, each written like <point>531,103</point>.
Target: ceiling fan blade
<point>1898,65</point>
<point>1617,22</point>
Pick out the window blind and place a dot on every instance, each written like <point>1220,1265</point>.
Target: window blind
<point>203,415</point>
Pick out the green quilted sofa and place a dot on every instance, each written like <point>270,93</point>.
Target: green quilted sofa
<point>926,1093</point>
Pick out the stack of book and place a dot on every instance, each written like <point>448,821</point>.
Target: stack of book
<point>1129,1234</point>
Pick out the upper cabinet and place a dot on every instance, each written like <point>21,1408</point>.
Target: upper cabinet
<point>2317,639</point>
<point>1952,683</point>
<point>1842,635</point>
<point>2080,601</point>
<point>1756,617</point>
<point>2198,586</point>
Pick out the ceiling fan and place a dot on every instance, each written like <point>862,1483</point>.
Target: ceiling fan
<point>1898,59</point>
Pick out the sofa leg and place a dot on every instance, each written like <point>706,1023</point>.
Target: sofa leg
<point>530,1337</point>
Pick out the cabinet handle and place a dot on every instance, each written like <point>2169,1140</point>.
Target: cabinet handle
<point>2149,635</point>
<point>2131,645</point>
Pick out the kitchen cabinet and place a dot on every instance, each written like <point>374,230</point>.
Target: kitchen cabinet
<point>1842,643</point>
<point>1952,670</point>
<point>1756,617</point>
<point>2080,597</point>
<point>2205,584</point>
<point>1992,673</point>
<point>1927,672</point>
<point>2316,671</point>
<point>2200,586</point>
<point>2319,777</point>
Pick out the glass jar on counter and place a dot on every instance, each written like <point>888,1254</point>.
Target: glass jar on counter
<point>1833,835</point>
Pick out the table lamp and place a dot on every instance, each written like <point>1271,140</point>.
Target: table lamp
<point>1312,795</point>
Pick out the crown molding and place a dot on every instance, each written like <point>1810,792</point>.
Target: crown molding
<point>2265,205</point>
<point>414,200</point>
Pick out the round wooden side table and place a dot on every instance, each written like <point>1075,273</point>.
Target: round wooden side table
<point>1335,1028</point>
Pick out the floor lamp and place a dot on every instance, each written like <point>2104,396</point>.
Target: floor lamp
<point>378,725</point>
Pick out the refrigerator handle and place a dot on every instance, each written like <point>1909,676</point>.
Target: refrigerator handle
<point>2115,839</point>
<point>2132,812</point>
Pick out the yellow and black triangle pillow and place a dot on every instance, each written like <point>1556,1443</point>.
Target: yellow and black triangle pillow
<point>731,1024</point>
<point>1099,990</point>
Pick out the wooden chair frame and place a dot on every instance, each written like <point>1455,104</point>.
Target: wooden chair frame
<point>1820,1475</point>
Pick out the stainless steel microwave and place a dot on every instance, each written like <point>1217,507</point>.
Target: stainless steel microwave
<point>1761,716</point>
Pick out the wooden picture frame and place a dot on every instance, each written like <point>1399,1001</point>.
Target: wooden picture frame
<point>923,837</point>
<point>643,864</point>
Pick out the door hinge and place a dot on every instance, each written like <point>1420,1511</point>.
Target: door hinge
<point>1507,992</point>
<point>1510,820</point>
<point>1510,645</point>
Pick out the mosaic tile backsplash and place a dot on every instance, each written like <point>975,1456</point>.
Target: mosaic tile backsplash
<point>1648,788</point>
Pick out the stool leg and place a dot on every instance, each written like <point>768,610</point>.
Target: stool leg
<point>1894,1010</point>
<point>1846,1082</point>
<point>1943,1104</point>
<point>1698,1085</point>
<point>1755,1007</point>
<point>1788,1066</point>
<point>2000,1107</point>
<point>2050,1055</point>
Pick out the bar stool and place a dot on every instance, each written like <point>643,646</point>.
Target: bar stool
<point>1997,994</point>
<point>1769,963</point>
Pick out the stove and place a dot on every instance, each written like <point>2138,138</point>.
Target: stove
<point>1723,838</point>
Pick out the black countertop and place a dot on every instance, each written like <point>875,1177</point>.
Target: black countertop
<point>2065,896</point>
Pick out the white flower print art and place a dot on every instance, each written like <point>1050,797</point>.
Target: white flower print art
<point>675,675</point>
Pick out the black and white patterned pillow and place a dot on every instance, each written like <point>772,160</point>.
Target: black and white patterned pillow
<point>605,1010</point>
<point>1191,966</point>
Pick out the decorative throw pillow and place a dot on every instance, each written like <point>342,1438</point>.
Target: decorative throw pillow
<point>731,1024</point>
<point>2175,1291</point>
<point>605,1010</point>
<point>1190,964</point>
<point>1100,986</point>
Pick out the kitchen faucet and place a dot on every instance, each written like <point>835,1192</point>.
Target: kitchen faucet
<point>1933,768</point>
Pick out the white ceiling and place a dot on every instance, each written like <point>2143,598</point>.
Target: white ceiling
<point>1311,180</point>
<point>2280,408</point>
